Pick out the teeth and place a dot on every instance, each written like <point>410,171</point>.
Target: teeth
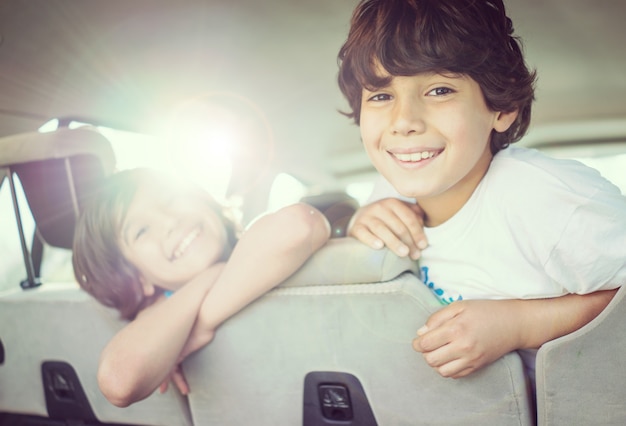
<point>415,156</point>
<point>185,243</point>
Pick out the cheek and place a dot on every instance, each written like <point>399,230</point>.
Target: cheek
<point>370,133</point>
<point>471,133</point>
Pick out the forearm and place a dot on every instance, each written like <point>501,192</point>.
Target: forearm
<point>141,355</point>
<point>269,252</point>
<point>467,335</point>
<point>543,320</point>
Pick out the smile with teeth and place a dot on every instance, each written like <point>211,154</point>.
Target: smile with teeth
<point>178,252</point>
<point>415,156</point>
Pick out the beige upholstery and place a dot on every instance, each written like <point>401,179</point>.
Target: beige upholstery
<point>319,320</point>
<point>62,323</point>
<point>581,377</point>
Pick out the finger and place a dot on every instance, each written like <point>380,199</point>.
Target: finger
<point>164,386</point>
<point>444,315</point>
<point>405,222</point>
<point>455,369</point>
<point>395,223</point>
<point>393,234</point>
<point>372,227</point>
<point>364,235</point>
<point>440,356</point>
<point>432,341</point>
<point>415,225</point>
<point>447,364</point>
<point>436,333</point>
<point>417,345</point>
<point>181,383</point>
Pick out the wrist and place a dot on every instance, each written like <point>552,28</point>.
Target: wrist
<point>524,328</point>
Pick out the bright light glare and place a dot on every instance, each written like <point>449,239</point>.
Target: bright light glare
<point>207,161</point>
<point>360,191</point>
<point>203,138</point>
<point>286,190</point>
<point>49,126</point>
<point>77,124</point>
<point>136,150</point>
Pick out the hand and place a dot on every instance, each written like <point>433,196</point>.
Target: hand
<point>391,222</point>
<point>178,378</point>
<point>468,335</point>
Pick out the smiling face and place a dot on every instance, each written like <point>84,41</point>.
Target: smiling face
<point>428,134</point>
<point>170,234</point>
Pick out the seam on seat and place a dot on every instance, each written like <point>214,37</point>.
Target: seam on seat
<point>392,286</point>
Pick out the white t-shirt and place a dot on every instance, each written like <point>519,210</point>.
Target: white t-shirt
<point>535,227</point>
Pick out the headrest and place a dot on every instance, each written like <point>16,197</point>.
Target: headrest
<point>348,261</point>
<point>62,143</point>
<point>58,172</point>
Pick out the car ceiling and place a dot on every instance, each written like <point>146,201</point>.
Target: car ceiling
<point>128,63</point>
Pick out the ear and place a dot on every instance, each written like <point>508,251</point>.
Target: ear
<point>147,287</point>
<point>504,120</point>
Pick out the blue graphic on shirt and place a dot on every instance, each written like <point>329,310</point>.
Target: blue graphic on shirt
<point>444,297</point>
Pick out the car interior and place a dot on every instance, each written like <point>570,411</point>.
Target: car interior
<point>242,97</point>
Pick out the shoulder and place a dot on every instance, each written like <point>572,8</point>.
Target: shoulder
<point>539,195</point>
<point>518,171</point>
<point>530,163</point>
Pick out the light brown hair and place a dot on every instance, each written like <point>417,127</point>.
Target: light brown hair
<point>99,265</point>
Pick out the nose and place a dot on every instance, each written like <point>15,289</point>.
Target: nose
<point>164,221</point>
<point>407,117</point>
<point>170,224</point>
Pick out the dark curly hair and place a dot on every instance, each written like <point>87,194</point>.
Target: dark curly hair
<point>99,265</point>
<point>469,37</point>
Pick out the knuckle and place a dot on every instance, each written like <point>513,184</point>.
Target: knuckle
<point>443,372</point>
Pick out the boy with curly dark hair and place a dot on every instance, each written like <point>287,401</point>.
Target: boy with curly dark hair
<point>522,248</point>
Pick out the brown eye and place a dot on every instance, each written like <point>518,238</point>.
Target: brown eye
<point>440,91</point>
<point>380,97</point>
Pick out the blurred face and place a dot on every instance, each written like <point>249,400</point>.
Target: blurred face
<point>428,134</point>
<point>170,235</point>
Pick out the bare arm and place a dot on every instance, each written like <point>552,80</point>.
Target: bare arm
<point>269,252</point>
<point>143,354</point>
<point>468,335</point>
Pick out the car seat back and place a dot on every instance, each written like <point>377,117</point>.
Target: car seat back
<point>581,377</point>
<point>52,338</point>
<point>343,325</point>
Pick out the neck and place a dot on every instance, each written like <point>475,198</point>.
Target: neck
<point>441,207</point>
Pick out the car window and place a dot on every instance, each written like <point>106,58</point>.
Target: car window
<point>12,264</point>
<point>56,265</point>
<point>131,150</point>
<point>610,165</point>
